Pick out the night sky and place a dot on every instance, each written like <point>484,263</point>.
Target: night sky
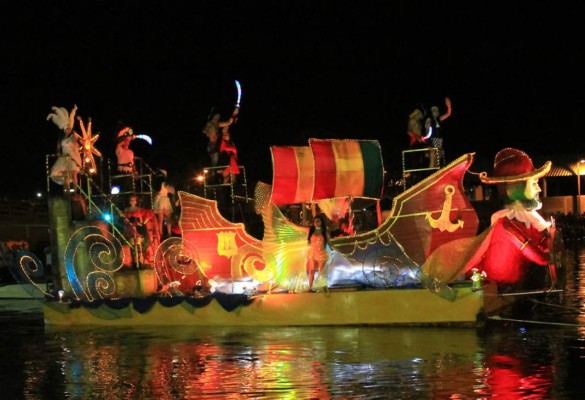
<point>513,71</point>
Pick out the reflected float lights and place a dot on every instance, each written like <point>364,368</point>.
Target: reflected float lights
<point>580,171</point>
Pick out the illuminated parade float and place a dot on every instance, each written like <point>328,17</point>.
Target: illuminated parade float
<point>422,262</point>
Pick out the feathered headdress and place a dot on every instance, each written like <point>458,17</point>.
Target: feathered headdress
<point>62,118</point>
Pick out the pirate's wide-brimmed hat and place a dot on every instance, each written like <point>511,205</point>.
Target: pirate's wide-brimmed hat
<point>513,165</point>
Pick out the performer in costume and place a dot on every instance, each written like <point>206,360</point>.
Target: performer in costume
<point>436,123</point>
<point>211,130</point>
<point>140,219</point>
<point>517,238</point>
<point>124,154</point>
<point>67,166</point>
<point>228,155</point>
<point>214,127</point>
<point>417,141</point>
<point>126,166</point>
<point>318,254</point>
<point>415,130</point>
<point>163,208</point>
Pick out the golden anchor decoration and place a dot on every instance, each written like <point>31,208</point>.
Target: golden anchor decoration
<point>443,222</point>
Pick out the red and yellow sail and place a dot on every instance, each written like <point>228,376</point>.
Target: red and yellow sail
<point>293,174</point>
<point>347,168</point>
<point>327,169</point>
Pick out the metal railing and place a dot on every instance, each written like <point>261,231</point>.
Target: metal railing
<point>141,182</point>
<point>433,162</point>
<point>100,203</point>
<point>213,179</point>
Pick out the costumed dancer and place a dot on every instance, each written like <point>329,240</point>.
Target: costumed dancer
<point>228,155</point>
<point>518,236</point>
<point>65,170</point>
<point>215,146</point>
<point>417,141</point>
<point>211,130</point>
<point>163,208</point>
<point>318,254</point>
<point>143,227</point>
<point>124,154</point>
<point>436,124</point>
<point>415,130</point>
<point>126,167</point>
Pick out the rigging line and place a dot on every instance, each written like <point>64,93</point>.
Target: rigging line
<point>554,305</point>
<point>526,321</point>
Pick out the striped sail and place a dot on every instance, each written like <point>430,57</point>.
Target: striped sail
<point>326,169</point>
<point>293,174</point>
<point>347,168</point>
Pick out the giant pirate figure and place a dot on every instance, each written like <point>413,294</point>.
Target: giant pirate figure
<point>517,239</point>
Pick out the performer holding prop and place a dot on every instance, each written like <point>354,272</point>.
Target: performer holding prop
<point>223,147</point>
<point>228,155</point>
<point>434,129</point>
<point>435,121</point>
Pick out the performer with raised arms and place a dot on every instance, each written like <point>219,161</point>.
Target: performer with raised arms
<point>223,146</point>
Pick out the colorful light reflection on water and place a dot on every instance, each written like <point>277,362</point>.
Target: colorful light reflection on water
<point>540,357</point>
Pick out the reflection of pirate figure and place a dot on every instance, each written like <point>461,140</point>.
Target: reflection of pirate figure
<point>68,164</point>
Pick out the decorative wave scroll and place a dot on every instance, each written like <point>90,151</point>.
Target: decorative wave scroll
<point>27,269</point>
<point>178,256</point>
<point>104,253</point>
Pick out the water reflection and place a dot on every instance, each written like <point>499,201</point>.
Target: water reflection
<point>171,363</point>
<point>290,363</point>
<point>510,359</point>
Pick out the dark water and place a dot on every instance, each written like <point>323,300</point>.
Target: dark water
<point>541,356</point>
